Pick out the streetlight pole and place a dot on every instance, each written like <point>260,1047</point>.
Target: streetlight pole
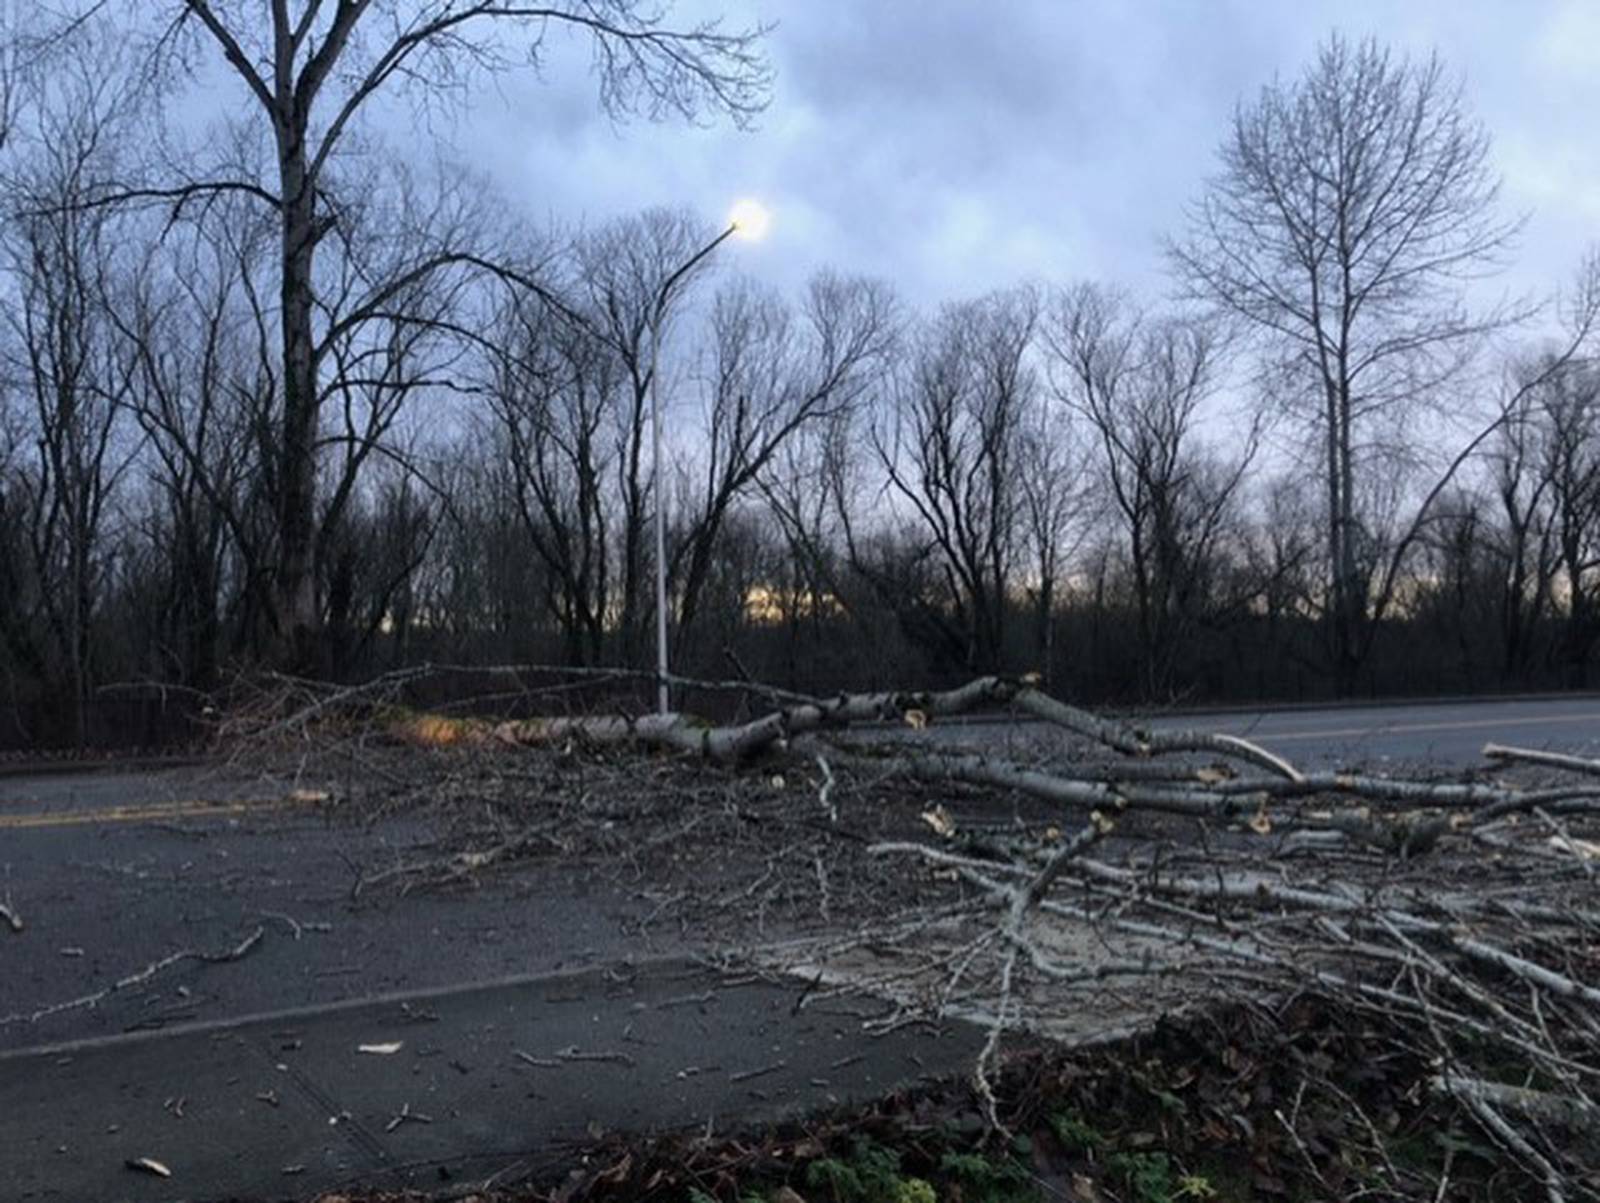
<point>748,219</point>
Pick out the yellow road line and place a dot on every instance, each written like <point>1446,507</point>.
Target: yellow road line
<point>1381,729</point>
<point>148,812</point>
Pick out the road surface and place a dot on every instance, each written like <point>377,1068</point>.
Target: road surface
<point>191,981</point>
<point>1444,735</point>
<point>1404,737</point>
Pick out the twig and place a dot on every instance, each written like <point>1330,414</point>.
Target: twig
<point>1559,760</point>
<point>406,1115</point>
<point>749,1075</point>
<point>572,1053</point>
<point>138,978</point>
<point>825,791</point>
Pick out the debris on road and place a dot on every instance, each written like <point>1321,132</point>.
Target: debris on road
<point>296,927</point>
<point>148,1165</point>
<point>405,1115</point>
<point>573,1053</point>
<point>137,978</point>
<point>386,1049</point>
<point>1098,868</point>
<point>750,1075</point>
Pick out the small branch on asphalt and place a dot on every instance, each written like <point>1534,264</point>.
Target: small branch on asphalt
<point>750,1075</point>
<point>296,927</point>
<point>406,1115</point>
<point>138,978</point>
<point>573,1053</point>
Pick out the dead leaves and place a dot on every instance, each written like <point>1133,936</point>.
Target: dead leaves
<point>437,731</point>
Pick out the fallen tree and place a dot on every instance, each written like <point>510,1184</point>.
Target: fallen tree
<point>1158,870</point>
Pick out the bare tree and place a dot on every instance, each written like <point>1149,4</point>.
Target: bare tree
<point>471,592</point>
<point>621,273</point>
<point>773,373</point>
<point>951,456</point>
<point>35,40</point>
<point>809,492</point>
<point>1140,384</point>
<point>1352,209</point>
<point>1522,552</point>
<point>63,261</point>
<point>310,70</point>
<point>1055,482</point>
<point>1566,411</point>
<point>203,395</point>
<point>556,394</point>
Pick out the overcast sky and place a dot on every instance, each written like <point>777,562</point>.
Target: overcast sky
<point>952,146</point>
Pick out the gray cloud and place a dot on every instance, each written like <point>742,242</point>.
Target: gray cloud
<point>952,146</point>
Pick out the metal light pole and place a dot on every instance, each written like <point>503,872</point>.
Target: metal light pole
<point>748,220</point>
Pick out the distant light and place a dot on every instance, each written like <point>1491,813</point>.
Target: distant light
<point>749,220</point>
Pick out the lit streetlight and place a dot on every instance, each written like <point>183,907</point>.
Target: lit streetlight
<point>747,221</point>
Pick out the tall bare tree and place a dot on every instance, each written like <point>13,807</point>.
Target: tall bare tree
<point>773,373</point>
<point>1566,413</point>
<point>64,262</point>
<point>951,455</point>
<point>1052,465</point>
<point>1522,549</point>
<point>310,70</point>
<point>203,396</point>
<point>1140,384</point>
<point>621,273</point>
<point>808,490</point>
<point>556,394</point>
<point>1353,207</point>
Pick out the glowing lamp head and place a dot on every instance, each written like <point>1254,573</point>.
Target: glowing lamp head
<point>749,220</point>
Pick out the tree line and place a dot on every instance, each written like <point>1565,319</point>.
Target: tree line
<point>276,396</point>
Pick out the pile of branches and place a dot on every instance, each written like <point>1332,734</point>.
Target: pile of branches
<point>1464,912</point>
<point>1184,869</point>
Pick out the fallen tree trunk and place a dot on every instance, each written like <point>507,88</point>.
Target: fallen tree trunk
<point>1199,869</point>
<point>730,744</point>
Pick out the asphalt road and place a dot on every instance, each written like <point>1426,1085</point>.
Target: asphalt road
<point>192,981</point>
<point>111,872</point>
<point>1421,736</point>
<point>437,1089</point>
<point>1441,735</point>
